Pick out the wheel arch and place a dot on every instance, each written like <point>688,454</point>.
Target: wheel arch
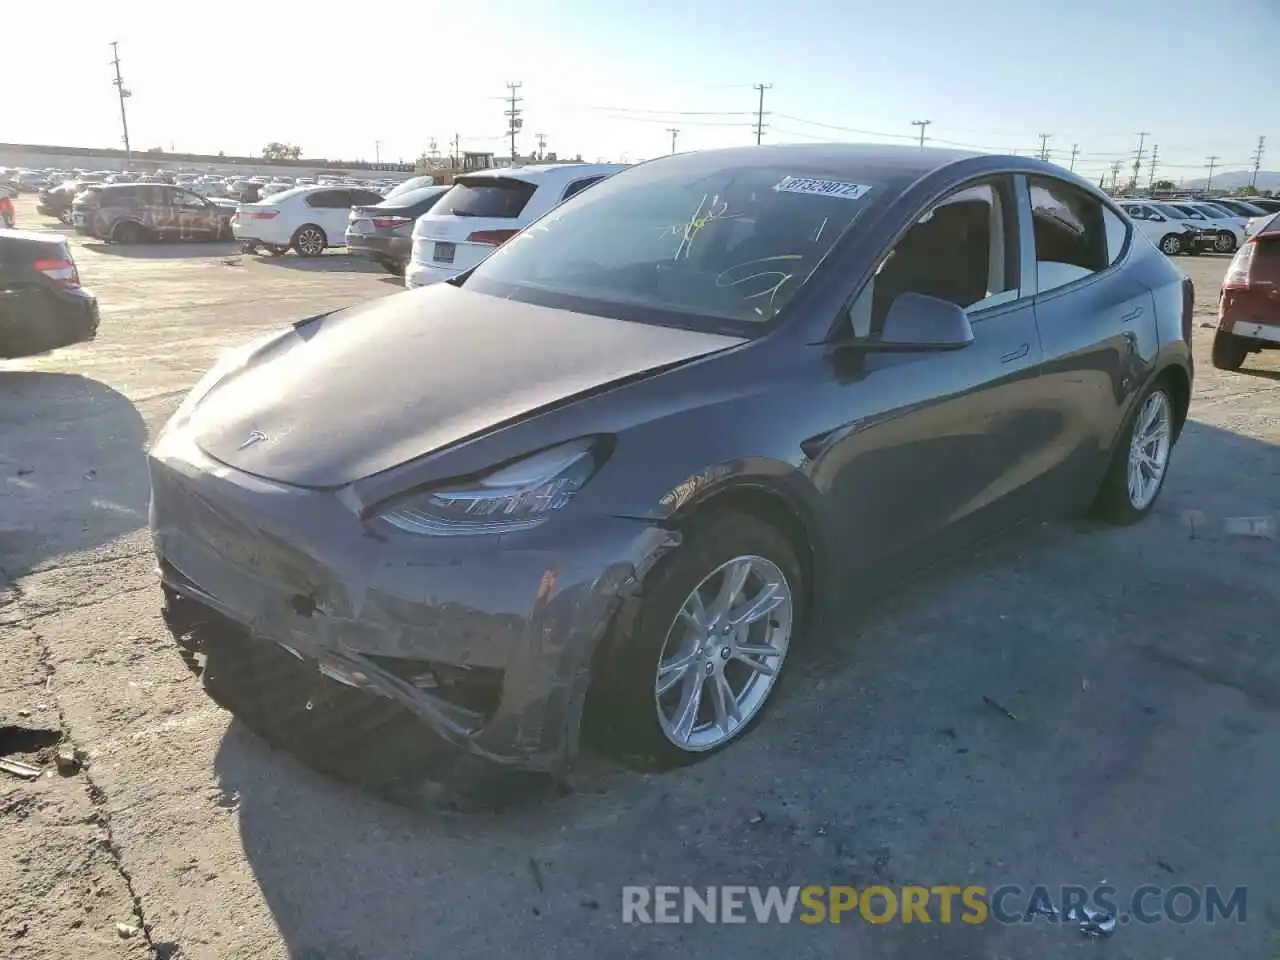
<point>775,505</point>
<point>1179,381</point>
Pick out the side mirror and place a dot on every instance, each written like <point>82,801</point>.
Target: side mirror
<point>918,324</point>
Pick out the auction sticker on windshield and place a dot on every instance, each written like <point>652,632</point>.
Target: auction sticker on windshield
<point>823,188</point>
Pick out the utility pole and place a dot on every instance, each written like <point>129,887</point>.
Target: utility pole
<point>675,132</point>
<point>1213,162</point>
<point>433,150</point>
<point>542,145</point>
<point>1257,162</point>
<point>1115,174</point>
<point>922,124</point>
<point>122,92</point>
<point>514,123</point>
<point>1137,159</point>
<point>377,151</point>
<point>1075,152</point>
<point>1151,167</point>
<point>457,155</point>
<point>762,87</point>
<point>1044,145</point>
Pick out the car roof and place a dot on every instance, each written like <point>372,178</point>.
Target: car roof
<point>548,171</point>
<point>31,236</point>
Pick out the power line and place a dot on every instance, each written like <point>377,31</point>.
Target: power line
<point>675,132</point>
<point>512,113</point>
<point>761,87</point>
<point>677,113</point>
<point>122,92</point>
<point>1257,162</point>
<point>923,125</point>
<point>1213,162</point>
<point>691,123</point>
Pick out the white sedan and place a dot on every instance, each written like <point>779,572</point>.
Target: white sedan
<point>306,219</point>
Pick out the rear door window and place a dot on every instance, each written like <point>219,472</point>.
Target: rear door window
<point>492,197</point>
<point>330,199</point>
<point>579,185</point>
<point>1070,233</point>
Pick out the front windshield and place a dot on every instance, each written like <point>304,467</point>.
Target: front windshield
<point>729,242</point>
<point>413,183</point>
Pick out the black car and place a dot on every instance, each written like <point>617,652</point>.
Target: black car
<point>612,471</point>
<point>42,305</point>
<point>383,232</point>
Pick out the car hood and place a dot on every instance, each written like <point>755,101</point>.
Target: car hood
<point>360,391</point>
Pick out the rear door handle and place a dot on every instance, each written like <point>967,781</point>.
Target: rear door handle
<point>1018,354</point>
<point>1133,314</point>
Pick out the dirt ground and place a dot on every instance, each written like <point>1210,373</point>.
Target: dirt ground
<point>1071,705</point>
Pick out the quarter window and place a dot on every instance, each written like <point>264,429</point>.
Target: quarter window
<point>1070,233</point>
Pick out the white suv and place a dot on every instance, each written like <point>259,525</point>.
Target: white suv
<point>308,219</point>
<point>483,210</point>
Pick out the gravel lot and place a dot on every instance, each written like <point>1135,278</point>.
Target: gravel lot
<point>1140,665</point>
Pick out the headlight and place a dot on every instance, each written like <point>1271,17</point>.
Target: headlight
<point>515,497</point>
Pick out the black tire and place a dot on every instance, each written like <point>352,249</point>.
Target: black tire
<point>1113,504</point>
<point>309,240</point>
<point>621,714</point>
<point>276,250</point>
<point>127,232</point>
<point>1229,351</point>
<point>1225,242</point>
<point>1171,244</point>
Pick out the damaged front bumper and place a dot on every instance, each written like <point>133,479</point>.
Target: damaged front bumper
<point>404,617</point>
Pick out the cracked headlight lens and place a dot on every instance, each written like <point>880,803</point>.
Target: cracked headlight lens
<point>514,497</point>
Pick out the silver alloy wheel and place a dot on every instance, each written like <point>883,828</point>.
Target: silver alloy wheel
<point>311,241</point>
<point>723,653</point>
<point>1170,244</point>
<point>1224,243</point>
<point>1149,449</point>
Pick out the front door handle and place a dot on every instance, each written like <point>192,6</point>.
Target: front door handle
<point>1018,354</point>
<point>1133,314</point>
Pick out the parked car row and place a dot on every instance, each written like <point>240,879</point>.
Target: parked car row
<point>423,231</point>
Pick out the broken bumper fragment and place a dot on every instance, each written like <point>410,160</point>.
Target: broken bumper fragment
<point>486,640</point>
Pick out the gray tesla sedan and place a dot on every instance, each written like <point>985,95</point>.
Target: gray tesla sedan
<point>614,470</point>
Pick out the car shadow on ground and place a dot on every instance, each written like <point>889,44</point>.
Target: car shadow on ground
<point>176,250</point>
<point>1065,704</point>
<point>328,262</point>
<point>72,478</point>
<point>1264,374</point>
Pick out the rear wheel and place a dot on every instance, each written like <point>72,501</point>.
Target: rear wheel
<point>1225,242</point>
<point>1229,351</point>
<point>127,232</point>
<point>1140,460</point>
<point>708,646</point>
<point>309,240</point>
<point>1171,244</point>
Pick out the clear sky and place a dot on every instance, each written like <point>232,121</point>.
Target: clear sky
<point>608,79</point>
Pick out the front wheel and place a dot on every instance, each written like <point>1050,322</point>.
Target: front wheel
<point>1140,460</point>
<point>309,241</point>
<point>1229,351</point>
<point>708,646</point>
<point>1225,242</point>
<point>1171,244</point>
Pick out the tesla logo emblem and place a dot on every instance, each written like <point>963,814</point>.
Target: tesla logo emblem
<point>256,436</point>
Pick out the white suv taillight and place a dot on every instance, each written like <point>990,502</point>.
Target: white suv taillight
<point>62,270</point>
